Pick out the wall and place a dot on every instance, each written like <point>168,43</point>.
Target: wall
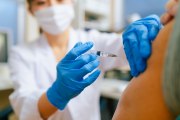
<point>8,16</point>
<point>144,7</point>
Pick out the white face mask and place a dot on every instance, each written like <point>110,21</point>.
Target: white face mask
<point>55,19</point>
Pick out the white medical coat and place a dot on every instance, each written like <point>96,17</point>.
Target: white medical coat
<point>33,71</point>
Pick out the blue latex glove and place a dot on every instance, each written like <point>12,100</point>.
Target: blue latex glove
<point>137,40</point>
<point>71,71</point>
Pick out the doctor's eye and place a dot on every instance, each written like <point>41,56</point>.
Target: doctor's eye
<point>60,1</point>
<point>40,2</point>
<point>63,1</point>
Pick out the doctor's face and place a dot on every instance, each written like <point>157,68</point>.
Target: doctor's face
<point>35,5</point>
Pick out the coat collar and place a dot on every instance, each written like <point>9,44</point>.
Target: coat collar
<point>45,47</point>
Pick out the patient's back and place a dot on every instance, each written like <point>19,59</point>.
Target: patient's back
<point>143,99</point>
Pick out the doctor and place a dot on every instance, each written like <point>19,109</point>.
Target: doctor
<point>48,89</point>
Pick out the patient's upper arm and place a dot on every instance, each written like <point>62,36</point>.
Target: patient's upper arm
<point>143,99</point>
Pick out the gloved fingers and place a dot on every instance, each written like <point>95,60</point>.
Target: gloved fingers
<point>157,20</point>
<point>154,26</point>
<point>129,55</point>
<point>85,59</point>
<point>78,50</point>
<point>80,85</point>
<point>78,74</point>
<point>74,83</point>
<point>79,62</point>
<point>136,56</point>
<point>139,62</point>
<point>88,68</point>
<point>67,57</point>
<point>153,32</point>
<point>153,19</point>
<point>77,84</point>
<point>150,20</point>
<point>145,49</point>
<point>72,90</point>
<point>92,77</point>
<point>144,42</point>
<point>78,44</point>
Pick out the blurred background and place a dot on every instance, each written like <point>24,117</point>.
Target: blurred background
<point>18,26</point>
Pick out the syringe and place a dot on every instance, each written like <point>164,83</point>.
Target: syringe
<point>102,53</point>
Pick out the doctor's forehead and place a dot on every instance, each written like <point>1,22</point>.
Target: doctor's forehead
<point>47,0</point>
<point>30,2</point>
<point>38,0</point>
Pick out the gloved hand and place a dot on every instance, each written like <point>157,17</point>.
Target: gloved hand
<point>137,40</point>
<point>71,72</point>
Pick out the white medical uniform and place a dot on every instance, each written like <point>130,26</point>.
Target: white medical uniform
<point>33,71</point>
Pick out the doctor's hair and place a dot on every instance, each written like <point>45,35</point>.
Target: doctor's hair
<point>29,2</point>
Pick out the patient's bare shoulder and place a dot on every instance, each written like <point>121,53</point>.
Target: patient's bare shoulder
<point>143,99</point>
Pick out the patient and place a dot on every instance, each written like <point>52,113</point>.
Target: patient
<point>143,99</point>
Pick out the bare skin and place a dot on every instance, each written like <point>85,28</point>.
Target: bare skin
<point>46,109</point>
<point>171,11</point>
<point>143,99</point>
